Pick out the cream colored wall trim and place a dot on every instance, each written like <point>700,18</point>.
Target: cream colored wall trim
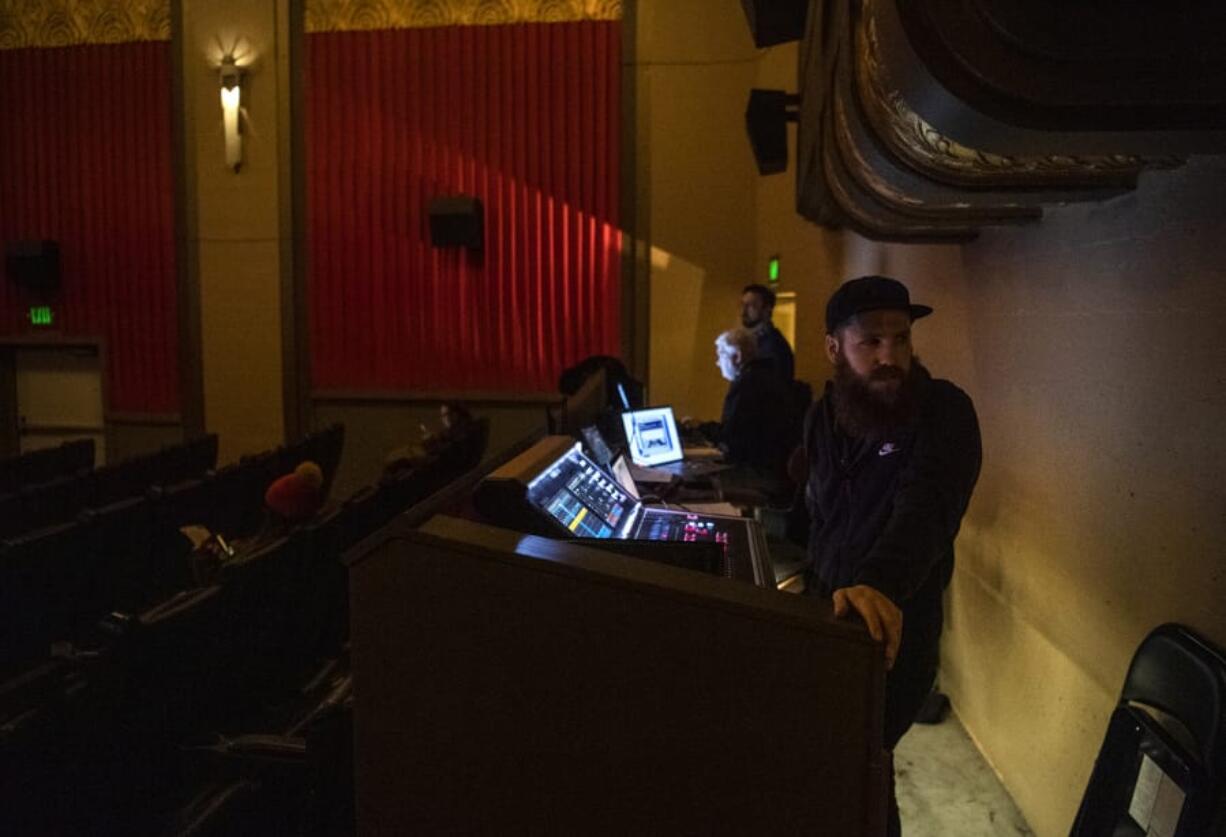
<point>342,15</point>
<point>58,23</point>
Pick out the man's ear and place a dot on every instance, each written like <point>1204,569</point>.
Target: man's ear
<point>832,347</point>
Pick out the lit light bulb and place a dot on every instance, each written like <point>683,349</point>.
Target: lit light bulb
<point>231,99</point>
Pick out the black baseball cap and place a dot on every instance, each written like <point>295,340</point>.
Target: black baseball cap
<point>870,293</point>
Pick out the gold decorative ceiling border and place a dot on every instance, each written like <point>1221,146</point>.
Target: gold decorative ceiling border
<point>60,23</point>
<point>871,219</point>
<point>929,151</point>
<point>351,15</point>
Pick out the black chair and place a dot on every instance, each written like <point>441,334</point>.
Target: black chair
<point>44,576</point>
<point>322,617</point>
<point>299,781</point>
<point>283,644</point>
<point>78,455</point>
<point>169,657</point>
<point>12,522</point>
<point>189,503</point>
<point>365,511</point>
<point>105,486</point>
<point>122,534</point>
<point>405,489</point>
<point>253,585</point>
<point>186,503</point>
<point>228,488</point>
<point>8,475</point>
<point>198,457</point>
<point>170,561</point>
<point>238,497</point>
<point>1165,739</point>
<point>324,447</point>
<point>38,466</point>
<point>53,502</point>
<point>467,449</point>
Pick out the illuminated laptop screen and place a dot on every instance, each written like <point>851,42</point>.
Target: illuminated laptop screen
<point>651,436</point>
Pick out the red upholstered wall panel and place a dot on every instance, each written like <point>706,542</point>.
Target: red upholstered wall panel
<point>85,158</point>
<point>527,118</point>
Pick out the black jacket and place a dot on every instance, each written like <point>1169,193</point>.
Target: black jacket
<point>773,346</point>
<point>757,427</point>
<point>884,512</point>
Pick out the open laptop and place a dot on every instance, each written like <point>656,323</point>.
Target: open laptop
<point>654,445</point>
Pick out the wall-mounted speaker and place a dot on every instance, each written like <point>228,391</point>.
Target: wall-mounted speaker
<point>766,121</point>
<point>457,221</point>
<point>34,265</point>
<point>776,21</point>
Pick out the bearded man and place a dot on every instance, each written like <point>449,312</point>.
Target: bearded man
<point>893,456</point>
<point>757,306</point>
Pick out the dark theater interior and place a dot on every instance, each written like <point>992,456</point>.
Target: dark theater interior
<point>654,417</point>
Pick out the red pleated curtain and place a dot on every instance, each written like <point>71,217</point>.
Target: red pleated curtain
<point>523,116</point>
<point>85,159</point>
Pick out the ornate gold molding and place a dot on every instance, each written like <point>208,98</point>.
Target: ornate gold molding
<point>929,151</point>
<point>860,166</point>
<point>950,209</point>
<point>876,220</point>
<point>345,15</point>
<point>58,23</point>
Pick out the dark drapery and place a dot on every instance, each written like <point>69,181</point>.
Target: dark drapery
<point>525,117</point>
<point>85,159</point>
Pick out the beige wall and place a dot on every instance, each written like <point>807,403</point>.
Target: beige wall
<point>695,66</point>
<point>238,229</point>
<point>812,258</point>
<point>713,222</point>
<point>1098,373</point>
<point>1090,346</point>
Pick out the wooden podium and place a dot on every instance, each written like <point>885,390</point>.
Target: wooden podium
<point>512,684</point>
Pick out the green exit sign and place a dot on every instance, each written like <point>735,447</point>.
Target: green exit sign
<point>41,315</point>
<point>772,270</point>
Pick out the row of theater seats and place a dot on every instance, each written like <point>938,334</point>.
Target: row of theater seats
<point>58,500</point>
<point>58,580</point>
<point>44,465</point>
<point>222,708</point>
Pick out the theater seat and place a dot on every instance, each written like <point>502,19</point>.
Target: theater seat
<point>44,584</point>
<point>122,534</point>
<point>365,511</point>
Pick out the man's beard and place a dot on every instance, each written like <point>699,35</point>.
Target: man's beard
<point>750,323</point>
<point>867,413</point>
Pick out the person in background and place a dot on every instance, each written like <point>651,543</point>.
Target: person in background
<point>893,457</point>
<point>757,306</point>
<point>455,421</point>
<point>754,426</point>
<point>295,497</point>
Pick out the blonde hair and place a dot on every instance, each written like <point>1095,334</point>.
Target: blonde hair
<point>740,340</point>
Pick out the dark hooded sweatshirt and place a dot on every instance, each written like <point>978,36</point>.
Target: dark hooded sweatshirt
<point>885,511</point>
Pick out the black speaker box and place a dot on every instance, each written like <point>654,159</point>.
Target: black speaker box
<point>776,21</point>
<point>766,122</point>
<point>457,221</point>
<point>33,264</point>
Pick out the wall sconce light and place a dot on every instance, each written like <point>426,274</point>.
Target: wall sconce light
<point>231,101</point>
